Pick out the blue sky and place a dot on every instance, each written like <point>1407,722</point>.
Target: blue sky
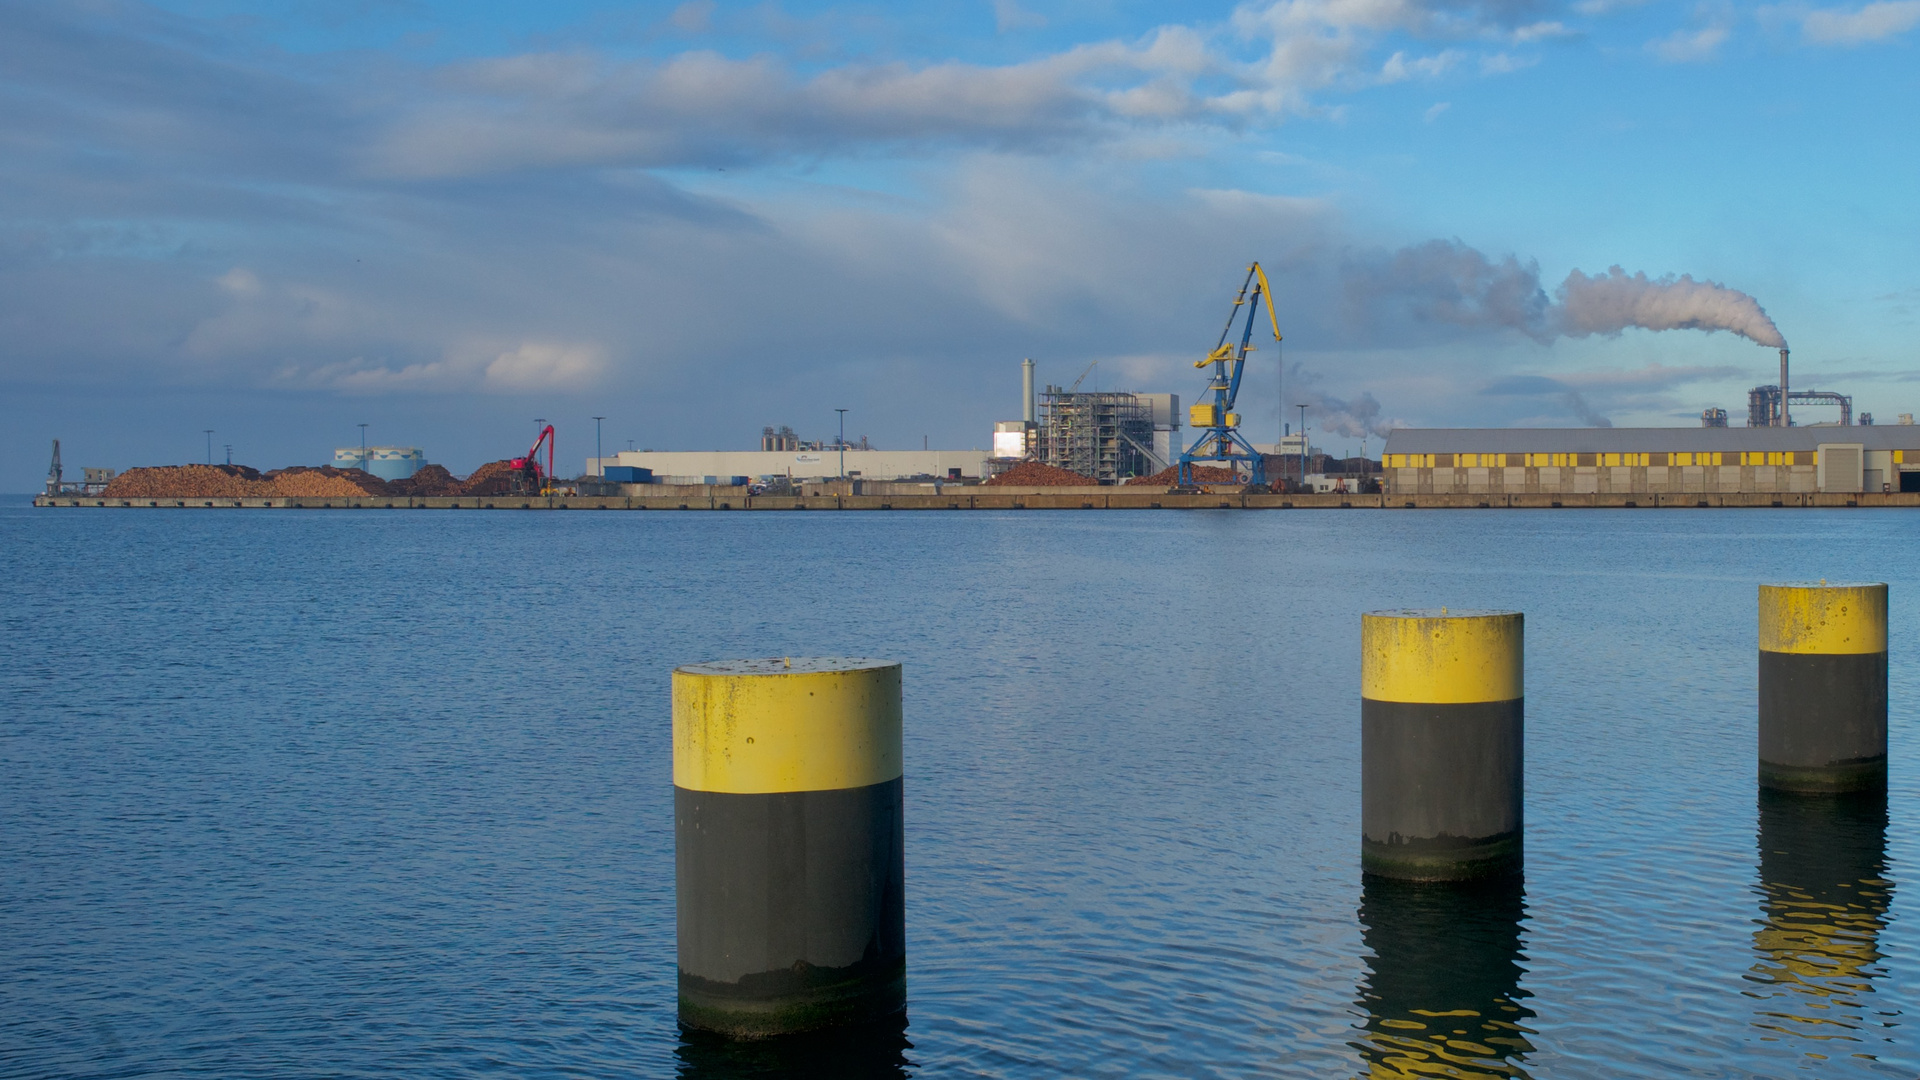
<point>280,220</point>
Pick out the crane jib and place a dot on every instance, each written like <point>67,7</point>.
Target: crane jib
<point>1218,440</point>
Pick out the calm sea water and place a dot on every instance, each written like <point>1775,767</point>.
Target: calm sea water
<point>387,793</point>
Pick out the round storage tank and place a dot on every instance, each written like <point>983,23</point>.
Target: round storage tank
<point>394,462</point>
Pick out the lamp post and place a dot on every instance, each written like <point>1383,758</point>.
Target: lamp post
<point>843,442</point>
<point>1303,446</point>
<point>599,469</point>
<point>209,432</point>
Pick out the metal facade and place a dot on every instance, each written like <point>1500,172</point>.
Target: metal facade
<point>1652,460</point>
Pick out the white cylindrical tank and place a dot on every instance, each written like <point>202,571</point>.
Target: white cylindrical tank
<point>394,462</point>
<point>385,462</point>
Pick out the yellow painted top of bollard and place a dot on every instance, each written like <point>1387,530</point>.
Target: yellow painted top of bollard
<point>1830,618</point>
<point>1442,658</point>
<point>786,724</point>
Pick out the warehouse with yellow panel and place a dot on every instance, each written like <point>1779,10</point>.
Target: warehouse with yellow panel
<point>1440,461</point>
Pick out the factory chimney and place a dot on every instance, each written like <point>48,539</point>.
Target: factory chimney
<point>1026,387</point>
<point>1785,420</point>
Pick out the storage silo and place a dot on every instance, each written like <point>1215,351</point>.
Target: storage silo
<point>394,462</point>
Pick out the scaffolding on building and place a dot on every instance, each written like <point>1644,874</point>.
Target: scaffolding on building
<point>1105,435</point>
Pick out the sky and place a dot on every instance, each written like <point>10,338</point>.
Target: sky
<point>283,219</point>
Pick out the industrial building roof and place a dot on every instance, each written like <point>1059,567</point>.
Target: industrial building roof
<point>1645,440</point>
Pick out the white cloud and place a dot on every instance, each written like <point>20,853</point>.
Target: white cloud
<point>1433,111</point>
<point>1399,68</point>
<point>1265,63</point>
<point>1541,31</point>
<point>1009,16</point>
<point>1504,64</point>
<point>693,17</point>
<point>1875,22</point>
<point>547,365</point>
<point>1690,46</point>
<point>240,281</point>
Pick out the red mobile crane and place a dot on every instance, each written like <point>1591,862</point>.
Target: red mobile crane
<point>528,477</point>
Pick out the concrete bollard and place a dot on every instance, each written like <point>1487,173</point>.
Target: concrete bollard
<point>1442,744</point>
<point>789,872</point>
<point>1823,686</point>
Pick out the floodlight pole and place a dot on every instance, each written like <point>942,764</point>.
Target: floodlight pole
<point>1303,446</point>
<point>843,442</point>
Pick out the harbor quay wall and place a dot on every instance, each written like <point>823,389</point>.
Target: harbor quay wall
<point>979,498</point>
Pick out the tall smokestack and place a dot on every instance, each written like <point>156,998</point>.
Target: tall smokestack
<point>1026,387</point>
<point>1785,420</point>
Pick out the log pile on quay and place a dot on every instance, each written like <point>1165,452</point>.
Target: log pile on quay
<point>431,481</point>
<point>191,482</point>
<point>324,482</point>
<point>1034,474</point>
<point>295,482</point>
<point>493,478</point>
<point>1202,474</point>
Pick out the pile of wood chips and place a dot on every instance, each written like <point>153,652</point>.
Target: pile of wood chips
<point>191,482</point>
<point>1034,474</point>
<point>241,482</point>
<point>1202,474</point>
<point>493,478</point>
<point>430,481</point>
<point>325,482</point>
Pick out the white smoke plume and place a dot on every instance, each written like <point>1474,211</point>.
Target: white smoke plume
<point>1444,281</point>
<point>1611,302</point>
<point>1353,418</point>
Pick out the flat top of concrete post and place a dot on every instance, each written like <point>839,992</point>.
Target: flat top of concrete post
<point>1439,613</point>
<point>787,665</point>
<point>1824,584</point>
<point>1834,617</point>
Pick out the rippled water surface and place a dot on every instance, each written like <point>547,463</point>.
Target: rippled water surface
<point>383,793</point>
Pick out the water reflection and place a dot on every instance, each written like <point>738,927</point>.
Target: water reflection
<point>1824,902</point>
<point>875,1051</point>
<point>1442,994</point>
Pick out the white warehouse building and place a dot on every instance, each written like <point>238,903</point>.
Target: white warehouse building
<point>693,466</point>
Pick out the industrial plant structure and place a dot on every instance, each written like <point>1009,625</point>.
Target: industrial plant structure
<point>1108,435</point>
<point>1822,458</point>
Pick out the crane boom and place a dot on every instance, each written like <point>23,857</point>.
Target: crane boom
<point>1220,440</point>
<point>528,467</point>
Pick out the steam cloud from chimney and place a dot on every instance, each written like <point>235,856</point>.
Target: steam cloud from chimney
<point>1611,302</point>
<point>1448,282</point>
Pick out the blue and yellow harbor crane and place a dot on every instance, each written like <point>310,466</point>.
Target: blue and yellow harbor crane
<point>1220,439</point>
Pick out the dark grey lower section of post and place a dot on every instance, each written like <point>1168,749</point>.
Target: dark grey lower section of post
<point>1441,789</point>
<point>791,908</point>
<point>1823,721</point>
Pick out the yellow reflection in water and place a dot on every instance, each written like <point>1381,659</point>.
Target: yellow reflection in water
<point>1823,905</point>
<point>1442,996</point>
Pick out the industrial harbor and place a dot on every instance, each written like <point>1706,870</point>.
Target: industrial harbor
<point>1120,449</point>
